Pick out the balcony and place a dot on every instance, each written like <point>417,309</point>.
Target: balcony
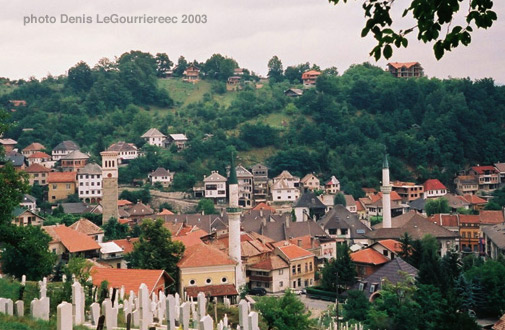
<point>260,278</point>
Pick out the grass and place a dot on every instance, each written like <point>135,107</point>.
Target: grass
<point>257,155</point>
<point>184,93</point>
<point>28,323</point>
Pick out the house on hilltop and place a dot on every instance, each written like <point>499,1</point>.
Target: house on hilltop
<point>405,69</point>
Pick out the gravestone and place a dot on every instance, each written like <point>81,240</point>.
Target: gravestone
<point>253,321</point>
<point>225,320</point>
<point>144,307</point>
<point>20,308</point>
<point>121,292</point>
<point>202,305</point>
<point>184,315</point>
<point>78,303</point>
<point>243,314</point>
<point>95,313</point>
<point>220,325</point>
<point>9,307</point>
<point>170,312</point>
<point>136,318</point>
<point>2,305</point>
<point>101,322</point>
<point>226,302</point>
<point>128,321</point>
<point>64,316</point>
<point>206,323</point>
<point>40,308</point>
<point>23,280</point>
<point>177,305</point>
<point>110,314</point>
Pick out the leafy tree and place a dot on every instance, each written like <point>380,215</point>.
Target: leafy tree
<point>498,200</point>
<point>286,312</point>
<point>258,135</point>
<point>340,272</point>
<point>430,271</point>
<point>435,206</point>
<point>80,268</point>
<point>275,70</point>
<point>114,230</point>
<point>163,64</point>
<point>183,181</point>
<point>356,306</point>
<point>155,249</point>
<point>80,77</point>
<point>430,20</point>
<point>206,205</point>
<point>294,73</point>
<point>219,67</point>
<point>339,199</point>
<point>143,195</point>
<point>491,275</point>
<point>13,185</point>
<point>182,64</point>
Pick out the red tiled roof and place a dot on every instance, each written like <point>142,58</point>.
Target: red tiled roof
<point>306,242</point>
<point>491,217</point>
<point>294,252</point>
<point>467,218</point>
<point>392,245</point>
<point>130,278</point>
<point>191,238</point>
<point>123,202</point>
<point>34,146</point>
<point>483,169</point>
<point>126,244</point>
<point>473,199</point>
<point>433,184</point>
<point>71,239</point>
<point>378,196</point>
<point>264,206</point>
<point>165,212</point>
<point>369,190</point>
<point>61,177</point>
<point>39,154</point>
<point>36,168</point>
<point>359,206</point>
<point>86,227</point>
<point>398,65</point>
<point>309,74</point>
<point>202,255</point>
<point>270,263</point>
<point>445,220</point>
<point>212,290</point>
<point>369,256</point>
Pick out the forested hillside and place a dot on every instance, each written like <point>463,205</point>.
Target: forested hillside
<point>431,127</point>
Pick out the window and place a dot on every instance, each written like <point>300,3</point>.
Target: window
<point>372,288</point>
<point>361,286</point>
<point>267,285</point>
<point>306,283</point>
<point>299,282</point>
<point>385,252</point>
<point>67,186</point>
<point>55,186</point>
<point>306,267</point>
<point>293,270</point>
<point>332,231</point>
<point>281,284</point>
<point>224,280</point>
<point>281,271</point>
<point>310,266</point>
<point>192,282</point>
<point>299,268</point>
<point>208,281</point>
<point>294,284</point>
<point>343,231</point>
<point>311,282</point>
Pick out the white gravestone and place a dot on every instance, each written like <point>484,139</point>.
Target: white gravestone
<point>64,316</point>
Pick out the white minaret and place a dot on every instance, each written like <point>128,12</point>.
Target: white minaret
<point>386,194</point>
<point>233,211</point>
<point>109,185</point>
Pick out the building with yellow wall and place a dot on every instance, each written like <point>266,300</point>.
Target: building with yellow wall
<point>61,185</point>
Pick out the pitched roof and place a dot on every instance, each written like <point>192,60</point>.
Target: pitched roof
<point>484,169</point>
<point>270,263</point>
<point>214,177</point>
<point>242,171</point>
<point>332,180</point>
<point>341,218</point>
<point>39,154</point>
<point>306,74</point>
<point>294,252</point>
<point>36,168</point>
<point>309,200</point>
<point>66,145</point>
<point>203,255</point>
<point>207,222</point>
<point>86,227</point>
<point>400,220</point>
<point>491,217</point>
<point>212,290</point>
<point>359,206</point>
<point>467,218</point>
<point>178,137</point>
<point>308,177</point>
<point>264,206</point>
<point>165,212</point>
<point>500,167</point>
<point>110,247</point>
<point>61,177</point>
<point>456,201</point>
<point>284,175</point>
<point>122,146</point>
<point>191,238</point>
<point>369,256</point>
<point>399,65</point>
<point>75,208</point>
<point>76,154</point>
<point>445,220</point>
<point>153,132</point>
<point>8,141</point>
<point>418,204</point>
<point>496,234</point>
<point>29,199</point>
<point>349,200</point>
<point>140,209</point>
<point>90,168</point>
<point>126,244</point>
<point>123,202</point>
<point>391,245</point>
<point>473,199</point>
<point>16,158</point>
<point>35,146</point>
<point>131,279</point>
<point>160,171</point>
<point>71,239</point>
<point>467,179</point>
<point>433,184</point>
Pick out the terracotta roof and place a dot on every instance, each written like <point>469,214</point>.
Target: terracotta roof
<point>131,279</point>
<point>36,168</point>
<point>123,202</point>
<point>35,146</point>
<point>359,206</point>
<point>391,244</point>
<point>61,177</point>
<point>473,199</point>
<point>500,324</point>
<point>500,167</point>
<point>270,263</point>
<point>369,190</point>
<point>398,65</point>
<point>293,252</point>
<point>378,196</point>
<point>445,220</point>
<point>309,73</point>
<point>264,206</point>
<point>86,227</point>
<point>466,218</point>
<point>191,238</point>
<point>126,244</point>
<point>165,212</point>
<point>305,241</point>
<point>212,290</point>
<point>39,154</point>
<point>484,169</point>
<point>433,184</point>
<point>202,255</point>
<point>369,256</point>
<point>491,217</point>
<point>71,239</point>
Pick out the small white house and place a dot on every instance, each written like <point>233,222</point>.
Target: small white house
<point>161,175</point>
<point>154,137</point>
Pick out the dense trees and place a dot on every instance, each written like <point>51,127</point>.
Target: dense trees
<point>340,272</point>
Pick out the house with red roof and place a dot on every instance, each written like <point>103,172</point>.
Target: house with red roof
<point>61,185</point>
<point>368,261</point>
<point>264,206</point>
<point>271,273</point>
<point>405,69</point>
<point>488,177</point>
<point>32,148</point>
<point>301,265</point>
<point>390,248</point>
<point>67,242</point>
<point>476,203</point>
<point>309,78</point>
<point>37,174</point>
<point>204,268</point>
<point>433,188</point>
<point>157,280</point>
<point>38,157</point>
<point>332,186</point>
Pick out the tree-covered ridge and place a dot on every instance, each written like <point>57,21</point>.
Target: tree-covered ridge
<point>432,128</point>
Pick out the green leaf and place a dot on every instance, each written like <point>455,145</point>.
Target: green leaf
<point>388,51</point>
<point>438,48</point>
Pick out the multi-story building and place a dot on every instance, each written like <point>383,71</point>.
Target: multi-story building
<point>179,140</point>
<point>61,185</point>
<point>74,161</point>
<point>469,232</point>
<point>215,187</point>
<point>37,174</point>
<point>32,148</point>
<point>310,182</point>
<point>154,137</point>
<point>271,273</point>
<point>408,191</point>
<point>127,151</point>
<point>191,74</point>
<point>332,186</point>
<point>245,186</point>
<point>488,177</point>
<point>301,265</point>
<point>38,158</point>
<point>89,181</point>
<point>63,149</point>
<point>466,184</point>
<point>433,188</point>
<point>405,70</point>
<point>260,183</point>
<point>309,77</point>
<point>161,175</point>
<point>285,188</point>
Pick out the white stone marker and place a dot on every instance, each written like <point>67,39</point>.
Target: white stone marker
<point>253,321</point>
<point>170,312</point>
<point>184,315</point>
<point>64,316</point>
<point>220,325</point>
<point>9,307</point>
<point>206,323</point>
<point>95,313</point>
<point>121,292</point>
<point>144,307</point>
<point>243,314</point>
<point>78,303</point>
<point>2,306</point>
<point>20,308</point>
<point>202,305</point>
<point>225,321</point>
<point>110,314</point>
<point>23,280</point>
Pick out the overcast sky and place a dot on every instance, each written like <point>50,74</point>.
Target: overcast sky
<point>251,32</point>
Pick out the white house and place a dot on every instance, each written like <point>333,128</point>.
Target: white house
<point>332,186</point>
<point>154,137</point>
<point>112,254</point>
<point>433,188</point>
<point>215,186</point>
<point>89,183</point>
<point>63,149</point>
<point>178,139</point>
<point>161,175</point>
<point>285,188</point>
<point>272,274</point>
<point>127,151</point>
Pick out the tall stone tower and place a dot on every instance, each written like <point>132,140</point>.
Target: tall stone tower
<point>386,194</point>
<point>233,211</point>
<point>110,185</point>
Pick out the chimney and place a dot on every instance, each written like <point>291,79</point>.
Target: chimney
<point>128,238</point>
<point>312,242</point>
<point>222,212</point>
<point>264,221</point>
<point>261,212</point>
<point>287,220</point>
<point>299,243</point>
<point>203,212</point>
